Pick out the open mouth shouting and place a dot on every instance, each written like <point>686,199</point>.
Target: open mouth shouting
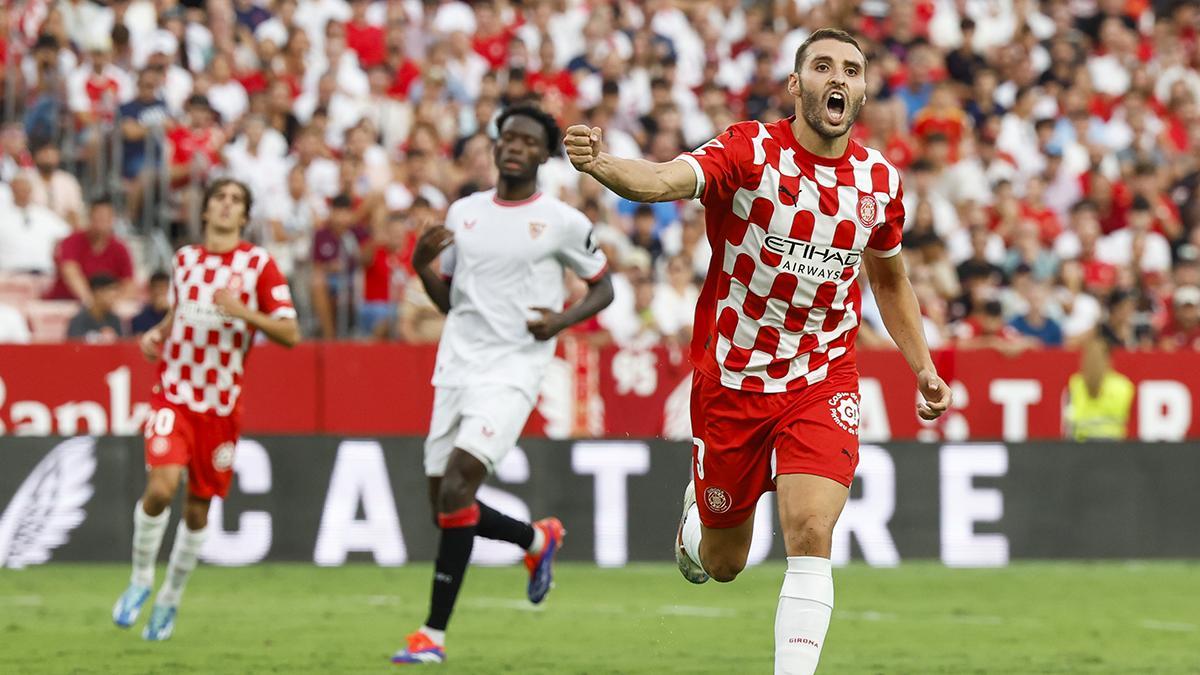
<point>835,107</point>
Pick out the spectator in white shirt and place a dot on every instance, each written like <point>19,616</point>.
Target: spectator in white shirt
<point>674,304</point>
<point>54,188</point>
<point>1137,244</point>
<point>28,232</point>
<point>14,329</point>
<point>226,95</point>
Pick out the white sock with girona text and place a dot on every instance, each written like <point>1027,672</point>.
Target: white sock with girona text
<point>147,539</point>
<point>692,535</point>
<point>805,606</point>
<point>184,554</point>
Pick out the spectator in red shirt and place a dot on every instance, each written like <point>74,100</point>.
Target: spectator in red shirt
<point>944,115</point>
<point>384,274</point>
<point>492,37</point>
<point>91,251</point>
<point>195,146</point>
<point>1148,184</point>
<point>550,78</point>
<point>366,40</point>
<point>1034,209</point>
<point>1184,329</point>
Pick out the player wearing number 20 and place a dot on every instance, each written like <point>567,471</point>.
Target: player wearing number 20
<point>222,292</point>
<point>794,209</point>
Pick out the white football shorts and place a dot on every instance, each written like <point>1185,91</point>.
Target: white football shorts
<point>483,420</point>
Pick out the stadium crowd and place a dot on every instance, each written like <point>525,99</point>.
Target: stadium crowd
<point>1050,150</point>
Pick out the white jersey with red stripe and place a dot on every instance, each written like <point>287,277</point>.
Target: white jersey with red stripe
<point>204,357</point>
<point>508,257</point>
<point>781,304</point>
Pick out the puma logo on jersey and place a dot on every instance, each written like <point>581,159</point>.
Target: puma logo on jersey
<point>791,197</point>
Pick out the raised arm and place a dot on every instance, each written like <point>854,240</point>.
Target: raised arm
<point>637,180</point>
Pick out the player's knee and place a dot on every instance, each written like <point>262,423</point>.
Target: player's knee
<point>724,563</point>
<point>812,536</point>
<point>158,496</point>
<point>455,493</point>
<point>724,569</point>
<point>196,516</point>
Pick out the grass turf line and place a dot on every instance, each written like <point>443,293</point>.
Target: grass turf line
<point>919,618</point>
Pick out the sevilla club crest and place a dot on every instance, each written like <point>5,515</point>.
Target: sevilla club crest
<point>536,229</point>
<point>868,211</point>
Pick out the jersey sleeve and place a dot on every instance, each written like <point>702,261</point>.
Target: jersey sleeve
<point>718,165</point>
<point>274,296</point>
<point>885,240</point>
<point>578,251</point>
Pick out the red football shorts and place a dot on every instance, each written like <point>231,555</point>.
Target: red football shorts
<point>176,436</point>
<point>744,439</point>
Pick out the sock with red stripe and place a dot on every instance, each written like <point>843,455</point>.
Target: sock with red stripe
<point>496,525</point>
<point>454,552</point>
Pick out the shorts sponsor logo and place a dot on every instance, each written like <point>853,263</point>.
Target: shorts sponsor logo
<point>159,446</point>
<point>281,293</point>
<point>223,457</point>
<point>718,500</point>
<point>868,211</point>
<point>843,408</point>
<point>488,432</point>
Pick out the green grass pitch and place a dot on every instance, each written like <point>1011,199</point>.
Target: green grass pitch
<point>919,618</point>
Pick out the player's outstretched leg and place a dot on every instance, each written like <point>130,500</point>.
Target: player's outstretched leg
<point>189,539</point>
<point>541,540</point>
<point>458,517</point>
<point>150,517</point>
<point>147,539</point>
<point>687,539</point>
<point>808,509</point>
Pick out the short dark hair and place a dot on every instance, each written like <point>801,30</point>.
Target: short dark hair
<point>101,280</point>
<point>342,201</point>
<point>548,123</point>
<point>826,34</point>
<point>101,199</point>
<point>222,182</point>
<point>1084,204</point>
<point>160,277</point>
<point>1140,203</point>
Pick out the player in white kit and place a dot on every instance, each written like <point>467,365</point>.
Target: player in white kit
<point>503,256</point>
<point>222,293</point>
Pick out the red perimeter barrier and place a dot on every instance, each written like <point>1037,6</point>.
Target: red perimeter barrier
<point>368,389</point>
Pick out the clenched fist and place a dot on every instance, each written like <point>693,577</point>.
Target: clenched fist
<point>583,146</point>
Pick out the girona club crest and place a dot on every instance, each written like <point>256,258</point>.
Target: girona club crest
<point>536,229</point>
<point>868,211</point>
<point>843,408</point>
<point>717,499</point>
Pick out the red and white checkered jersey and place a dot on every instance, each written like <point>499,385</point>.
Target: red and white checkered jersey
<point>204,357</point>
<point>780,306</point>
